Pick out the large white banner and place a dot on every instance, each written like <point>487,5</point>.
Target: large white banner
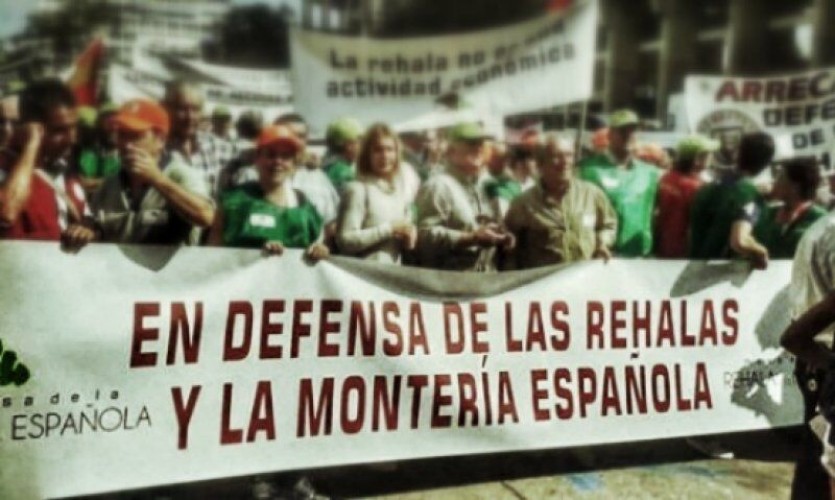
<point>544,62</point>
<point>797,109</point>
<point>135,367</point>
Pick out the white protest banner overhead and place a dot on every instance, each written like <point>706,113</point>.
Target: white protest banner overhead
<point>178,365</point>
<point>797,109</point>
<point>528,66</point>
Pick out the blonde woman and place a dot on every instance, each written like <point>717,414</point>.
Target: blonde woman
<point>374,217</point>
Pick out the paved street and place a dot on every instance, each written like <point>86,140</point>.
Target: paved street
<point>703,479</point>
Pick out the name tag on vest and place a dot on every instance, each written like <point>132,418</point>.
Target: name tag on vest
<point>609,182</point>
<point>262,220</point>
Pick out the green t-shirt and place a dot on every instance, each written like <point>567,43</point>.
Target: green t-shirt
<point>781,240</point>
<point>96,165</point>
<point>340,172</point>
<point>632,194</point>
<point>250,221</point>
<point>716,207</point>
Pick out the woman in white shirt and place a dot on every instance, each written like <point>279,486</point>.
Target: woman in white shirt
<point>375,220</point>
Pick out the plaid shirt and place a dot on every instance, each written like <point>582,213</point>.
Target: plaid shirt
<point>211,156</point>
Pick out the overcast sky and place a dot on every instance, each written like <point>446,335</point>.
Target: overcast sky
<point>13,12</point>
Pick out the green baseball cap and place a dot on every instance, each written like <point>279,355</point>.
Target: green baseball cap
<point>694,145</point>
<point>344,130</point>
<point>468,132</point>
<point>624,118</point>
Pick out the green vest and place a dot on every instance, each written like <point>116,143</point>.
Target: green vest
<point>781,241</point>
<point>632,194</point>
<point>715,209</point>
<point>250,221</point>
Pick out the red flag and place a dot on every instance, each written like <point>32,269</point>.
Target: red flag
<point>84,81</point>
<point>558,5</point>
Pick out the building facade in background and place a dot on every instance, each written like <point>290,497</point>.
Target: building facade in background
<point>171,26</point>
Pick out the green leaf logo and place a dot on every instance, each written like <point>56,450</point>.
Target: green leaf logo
<point>12,372</point>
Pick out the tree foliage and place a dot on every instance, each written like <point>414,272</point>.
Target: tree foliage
<point>424,17</point>
<point>71,26</point>
<point>255,36</point>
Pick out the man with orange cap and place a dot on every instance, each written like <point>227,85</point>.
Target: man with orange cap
<point>155,199</point>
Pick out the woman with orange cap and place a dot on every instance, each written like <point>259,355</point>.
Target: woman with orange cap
<point>269,213</point>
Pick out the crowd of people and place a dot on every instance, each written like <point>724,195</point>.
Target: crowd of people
<point>162,173</point>
<point>146,172</point>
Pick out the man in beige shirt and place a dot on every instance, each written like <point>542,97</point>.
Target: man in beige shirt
<point>561,219</point>
<point>459,229</point>
<point>156,199</point>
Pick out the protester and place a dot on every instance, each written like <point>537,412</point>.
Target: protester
<point>497,159</point>
<point>799,339</point>
<point>725,211</point>
<point>523,166</point>
<point>630,184</point>
<point>600,141</point>
<point>424,150</point>
<point>375,217</point>
<point>299,126</point>
<point>40,198</point>
<point>676,191</point>
<point>156,198</point>
<point>561,219</point>
<point>501,186</point>
<point>342,138</point>
<point>101,159</point>
<point>311,180</point>
<point>8,119</point>
<point>308,178</point>
<point>240,169</point>
<point>458,228</point>
<point>201,150</point>
<point>248,126</point>
<point>780,228</point>
<point>811,284</point>
<point>222,124</point>
<point>269,213</point>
